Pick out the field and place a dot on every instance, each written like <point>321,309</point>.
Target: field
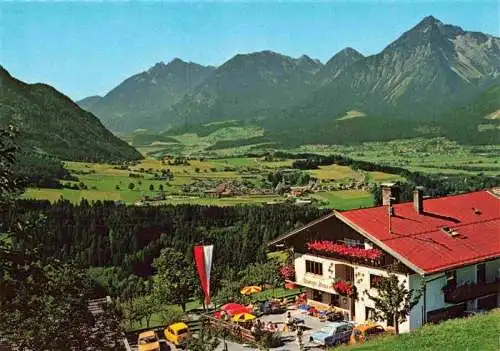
<point>433,155</point>
<point>437,155</point>
<point>468,334</point>
<point>133,183</point>
<point>345,200</point>
<point>210,168</point>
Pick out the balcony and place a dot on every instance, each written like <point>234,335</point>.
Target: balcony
<point>340,251</point>
<point>457,294</point>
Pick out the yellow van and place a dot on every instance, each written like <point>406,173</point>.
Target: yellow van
<point>178,334</point>
<point>148,341</point>
<point>368,331</point>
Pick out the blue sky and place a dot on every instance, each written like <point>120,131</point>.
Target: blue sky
<point>87,48</point>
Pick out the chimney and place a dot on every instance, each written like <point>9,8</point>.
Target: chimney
<point>418,199</point>
<point>389,193</point>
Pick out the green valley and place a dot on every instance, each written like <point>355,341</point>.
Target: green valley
<point>214,181</point>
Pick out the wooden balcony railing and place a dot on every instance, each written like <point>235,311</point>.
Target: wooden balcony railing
<point>457,294</point>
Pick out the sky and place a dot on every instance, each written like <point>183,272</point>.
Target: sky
<point>87,48</point>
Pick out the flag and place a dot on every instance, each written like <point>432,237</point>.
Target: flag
<point>203,261</point>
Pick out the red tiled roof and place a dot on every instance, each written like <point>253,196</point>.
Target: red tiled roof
<point>418,238</point>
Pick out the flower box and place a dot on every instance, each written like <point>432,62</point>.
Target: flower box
<point>344,250</point>
<point>343,288</point>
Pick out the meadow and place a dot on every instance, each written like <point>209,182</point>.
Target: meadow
<point>474,333</point>
<point>207,166</point>
<point>111,182</point>
<point>437,155</point>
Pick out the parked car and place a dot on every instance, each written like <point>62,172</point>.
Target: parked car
<point>333,334</point>
<point>363,332</point>
<point>269,307</point>
<point>178,334</point>
<point>331,316</point>
<point>148,341</point>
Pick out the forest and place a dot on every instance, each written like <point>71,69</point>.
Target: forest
<point>40,170</point>
<point>103,234</point>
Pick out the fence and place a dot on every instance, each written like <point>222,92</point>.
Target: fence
<point>230,329</point>
<point>234,330</point>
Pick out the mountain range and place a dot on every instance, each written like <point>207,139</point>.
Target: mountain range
<point>141,99</point>
<point>420,75</point>
<point>49,123</point>
<point>412,85</point>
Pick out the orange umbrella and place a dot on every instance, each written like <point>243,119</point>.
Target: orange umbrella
<point>243,317</point>
<point>249,290</point>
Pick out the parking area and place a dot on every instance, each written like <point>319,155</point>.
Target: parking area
<point>311,324</point>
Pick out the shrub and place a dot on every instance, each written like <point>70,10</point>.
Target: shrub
<point>269,340</point>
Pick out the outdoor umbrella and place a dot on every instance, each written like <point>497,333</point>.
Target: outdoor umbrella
<point>234,308</point>
<point>243,317</point>
<point>231,306</point>
<point>249,290</point>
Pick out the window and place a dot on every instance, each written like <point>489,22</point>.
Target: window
<point>375,280</point>
<point>314,267</point>
<point>317,295</point>
<point>335,300</point>
<point>481,273</point>
<point>369,313</point>
<point>390,321</point>
<point>352,242</point>
<point>343,329</point>
<point>451,278</point>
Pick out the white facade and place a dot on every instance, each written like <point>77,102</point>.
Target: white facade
<point>361,281</point>
<point>433,299</point>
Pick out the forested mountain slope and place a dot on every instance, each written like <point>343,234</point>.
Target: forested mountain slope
<point>49,122</point>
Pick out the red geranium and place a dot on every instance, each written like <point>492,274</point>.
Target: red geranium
<point>343,287</point>
<point>344,250</point>
<point>287,272</point>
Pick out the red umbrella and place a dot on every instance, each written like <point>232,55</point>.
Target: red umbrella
<point>233,308</point>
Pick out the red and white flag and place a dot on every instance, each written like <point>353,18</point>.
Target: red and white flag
<point>203,261</point>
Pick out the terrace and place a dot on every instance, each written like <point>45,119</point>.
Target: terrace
<point>457,294</point>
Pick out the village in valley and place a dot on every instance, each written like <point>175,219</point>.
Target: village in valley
<point>256,200</point>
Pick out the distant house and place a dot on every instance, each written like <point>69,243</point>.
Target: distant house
<point>448,245</point>
<point>296,192</point>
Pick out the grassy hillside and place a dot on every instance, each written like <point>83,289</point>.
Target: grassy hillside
<point>51,123</point>
<point>468,334</point>
<point>476,122</point>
